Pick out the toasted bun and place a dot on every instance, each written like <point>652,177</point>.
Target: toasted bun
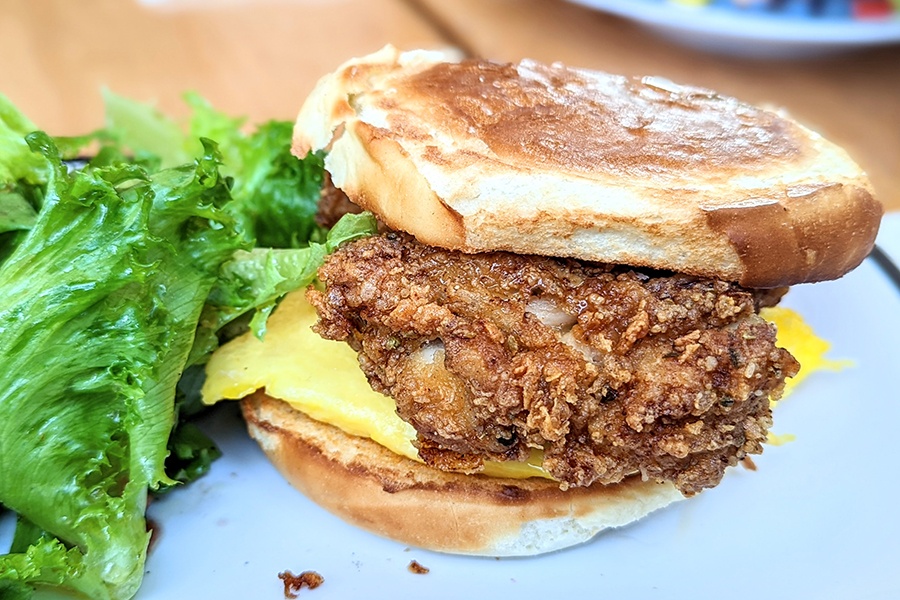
<point>371,487</point>
<point>550,160</point>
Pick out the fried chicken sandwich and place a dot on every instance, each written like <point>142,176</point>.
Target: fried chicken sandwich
<point>560,317</point>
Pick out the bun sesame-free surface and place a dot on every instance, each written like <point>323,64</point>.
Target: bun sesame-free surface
<point>390,495</point>
<point>545,159</point>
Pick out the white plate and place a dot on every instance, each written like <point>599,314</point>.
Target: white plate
<point>818,519</point>
<point>752,33</point>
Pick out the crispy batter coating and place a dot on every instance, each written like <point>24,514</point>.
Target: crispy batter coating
<point>333,204</point>
<point>610,371</point>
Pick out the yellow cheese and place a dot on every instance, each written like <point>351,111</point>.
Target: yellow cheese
<point>322,378</point>
<point>776,439</point>
<point>797,337</point>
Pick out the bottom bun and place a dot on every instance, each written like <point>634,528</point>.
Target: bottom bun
<point>385,493</point>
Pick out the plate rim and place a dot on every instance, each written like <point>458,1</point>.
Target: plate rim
<point>716,21</point>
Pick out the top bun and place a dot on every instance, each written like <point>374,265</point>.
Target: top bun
<point>531,158</point>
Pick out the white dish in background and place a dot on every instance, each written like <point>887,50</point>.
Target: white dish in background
<point>752,33</point>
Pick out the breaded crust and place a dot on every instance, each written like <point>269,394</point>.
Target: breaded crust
<point>393,496</point>
<point>545,159</point>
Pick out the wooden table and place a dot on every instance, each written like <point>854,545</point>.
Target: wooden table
<point>259,59</point>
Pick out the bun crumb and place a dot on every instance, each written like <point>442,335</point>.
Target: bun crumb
<point>415,567</point>
<point>294,583</point>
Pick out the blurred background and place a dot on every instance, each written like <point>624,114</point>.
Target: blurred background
<point>835,66</point>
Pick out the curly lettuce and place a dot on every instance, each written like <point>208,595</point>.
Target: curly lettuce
<point>100,304</point>
<point>275,195</point>
<point>115,278</point>
<point>22,175</point>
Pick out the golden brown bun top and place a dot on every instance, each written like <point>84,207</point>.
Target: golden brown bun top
<point>546,159</point>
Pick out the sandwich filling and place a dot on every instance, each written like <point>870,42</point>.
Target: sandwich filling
<point>322,377</point>
<point>608,371</point>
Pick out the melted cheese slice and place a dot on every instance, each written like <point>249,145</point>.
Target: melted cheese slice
<point>322,378</point>
<point>797,337</point>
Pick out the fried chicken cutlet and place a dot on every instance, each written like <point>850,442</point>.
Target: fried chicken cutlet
<point>607,370</point>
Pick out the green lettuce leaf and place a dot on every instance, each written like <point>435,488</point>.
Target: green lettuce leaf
<point>275,194</point>
<point>257,279</point>
<point>97,317</point>
<point>22,177</point>
<point>143,130</point>
<point>190,455</point>
<point>17,162</point>
<point>16,212</point>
